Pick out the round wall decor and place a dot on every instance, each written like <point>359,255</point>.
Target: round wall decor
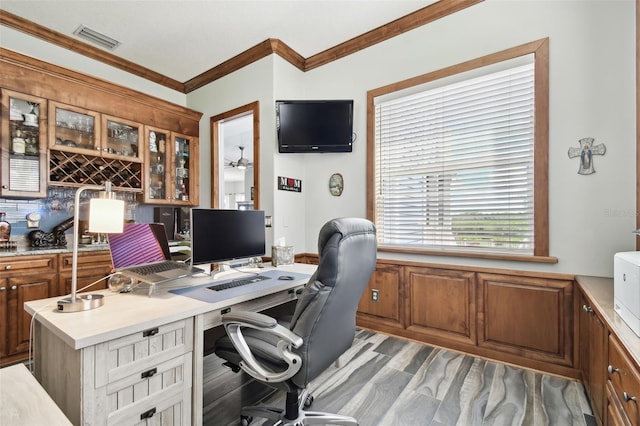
<point>336,184</point>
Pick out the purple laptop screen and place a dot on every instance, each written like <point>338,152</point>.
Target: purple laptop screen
<point>139,243</point>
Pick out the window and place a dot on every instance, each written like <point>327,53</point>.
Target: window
<point>459,158</point>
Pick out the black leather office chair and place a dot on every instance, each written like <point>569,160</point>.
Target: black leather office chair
<point>289,356</point>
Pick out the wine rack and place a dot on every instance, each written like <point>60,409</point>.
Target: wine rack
<point>72,169</point>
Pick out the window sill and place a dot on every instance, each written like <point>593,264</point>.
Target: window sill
<point>476,255</point>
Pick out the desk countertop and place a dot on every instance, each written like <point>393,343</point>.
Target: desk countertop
<point>25,402</point>
<point>600,291</point>
<point>124,314</point>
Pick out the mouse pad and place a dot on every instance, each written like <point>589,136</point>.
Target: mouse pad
<point>201,292</point>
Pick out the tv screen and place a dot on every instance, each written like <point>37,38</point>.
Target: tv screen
<point>315,126</point>
<point>220,235</point>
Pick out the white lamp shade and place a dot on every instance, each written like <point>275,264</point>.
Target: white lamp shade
<point>106,215</point>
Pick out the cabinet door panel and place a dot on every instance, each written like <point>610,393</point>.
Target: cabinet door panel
<point>24,289</point>
<point>385,286</point>
<point>529,317</point>
<point>24,142</point>
<point>442,303</point>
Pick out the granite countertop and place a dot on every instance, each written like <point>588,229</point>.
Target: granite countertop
<point>28,251</point>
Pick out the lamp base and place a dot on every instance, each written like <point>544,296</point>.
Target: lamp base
<point>83,302</point>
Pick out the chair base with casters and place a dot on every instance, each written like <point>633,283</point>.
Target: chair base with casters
<point>294,413</point>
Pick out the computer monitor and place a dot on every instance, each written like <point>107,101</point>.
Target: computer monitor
<point>219,235</point>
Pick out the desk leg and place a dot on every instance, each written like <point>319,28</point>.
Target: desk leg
<point>197,380</point>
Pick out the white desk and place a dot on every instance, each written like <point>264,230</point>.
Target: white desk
<point>91,362</point>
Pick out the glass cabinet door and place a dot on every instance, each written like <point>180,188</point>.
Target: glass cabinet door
<point>157,172</point>
<point>74,129</point>
<point>182,167</point>
<point>121,138</point>
<point>24,139</point>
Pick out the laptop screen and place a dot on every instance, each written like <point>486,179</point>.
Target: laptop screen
<point>138,244</point>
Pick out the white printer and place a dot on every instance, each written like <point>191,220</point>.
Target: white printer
<point>626,288</point>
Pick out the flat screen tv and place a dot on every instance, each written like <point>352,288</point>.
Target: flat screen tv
<point>314,126</point>
<point>219,235</point>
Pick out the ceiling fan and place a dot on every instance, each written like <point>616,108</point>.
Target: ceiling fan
<point>242,162</point>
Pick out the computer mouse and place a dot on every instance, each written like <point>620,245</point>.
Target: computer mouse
<point>285,277</point>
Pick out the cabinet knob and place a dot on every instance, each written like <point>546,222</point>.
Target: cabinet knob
<point>7,267</point>
<point>587,308</point>
<point>628,397</point>
<point>13,287</point>
<point>3,288</point>
<point>612,370</point>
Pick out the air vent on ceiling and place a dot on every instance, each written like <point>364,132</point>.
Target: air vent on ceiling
<point>96,37</point>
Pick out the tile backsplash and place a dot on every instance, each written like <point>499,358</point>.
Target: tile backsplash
<point>55,209</point>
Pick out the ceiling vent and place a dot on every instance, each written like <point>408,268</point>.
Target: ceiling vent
<point>96,37</point>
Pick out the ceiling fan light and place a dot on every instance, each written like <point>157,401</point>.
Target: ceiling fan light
<point>243,163</point>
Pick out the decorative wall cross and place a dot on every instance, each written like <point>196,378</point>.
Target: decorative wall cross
<point>586,152</point>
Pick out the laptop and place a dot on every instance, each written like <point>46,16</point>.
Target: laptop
<point>141,251</point>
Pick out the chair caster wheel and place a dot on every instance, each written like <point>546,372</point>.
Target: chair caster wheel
<point>246,420</point>
<point>308,401</point>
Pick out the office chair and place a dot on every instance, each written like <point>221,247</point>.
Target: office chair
<point>288,355</point>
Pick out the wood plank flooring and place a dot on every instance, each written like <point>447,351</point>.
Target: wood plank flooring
<point>389,381</point>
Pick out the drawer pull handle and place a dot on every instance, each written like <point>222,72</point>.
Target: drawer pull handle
<point>225,311</point>
<point>627,397</point>
<point>612,370</point>
<point>149,373</point>
<point>151,332</point>
<point>587,308</point>
<point>148,414</point>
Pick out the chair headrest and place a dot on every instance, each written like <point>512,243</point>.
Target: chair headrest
<point>346,227</point>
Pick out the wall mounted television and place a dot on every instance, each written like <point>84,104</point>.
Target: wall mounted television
<point>314,126</point>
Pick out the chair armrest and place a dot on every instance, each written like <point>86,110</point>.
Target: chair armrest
<point>234,322</point>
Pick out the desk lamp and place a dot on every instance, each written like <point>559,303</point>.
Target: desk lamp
<point>106,215</point>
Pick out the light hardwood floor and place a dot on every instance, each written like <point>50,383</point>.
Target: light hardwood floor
<point>389,381</point>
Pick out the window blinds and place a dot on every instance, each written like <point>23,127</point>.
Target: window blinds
<point>454,165</point>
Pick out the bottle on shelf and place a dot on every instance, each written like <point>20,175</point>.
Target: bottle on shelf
<point>5,227</point>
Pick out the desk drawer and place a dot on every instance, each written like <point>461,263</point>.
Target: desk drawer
<point>214,318</point>
<point>133,396</point>
<point>625,381</point>
<point>171,406</point>
<point>139,352</point>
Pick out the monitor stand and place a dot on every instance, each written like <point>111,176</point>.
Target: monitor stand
<point>222,270</point>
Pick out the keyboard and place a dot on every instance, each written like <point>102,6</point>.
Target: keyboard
<point>238,283</point>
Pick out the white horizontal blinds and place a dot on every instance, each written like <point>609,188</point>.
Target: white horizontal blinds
<point>454,165</point>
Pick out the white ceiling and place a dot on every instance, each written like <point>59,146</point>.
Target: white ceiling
<point>184,38</point>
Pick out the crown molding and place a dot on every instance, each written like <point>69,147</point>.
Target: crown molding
<point>268,47</point>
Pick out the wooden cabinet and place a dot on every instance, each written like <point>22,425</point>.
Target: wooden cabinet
<point>93,267</point>
<point>381,301</point>
<point>22,278</point>
<point>528,317</point>
<point>624,381</point>
<point>93,130</point>
<point>31,277</point>
<point>171,167</point>
<point>24,146</point>
<point>442,303</point>
<point>142,378</point>
<point>592,352</point>
<point>82,153</point>
<point>524,319</point>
